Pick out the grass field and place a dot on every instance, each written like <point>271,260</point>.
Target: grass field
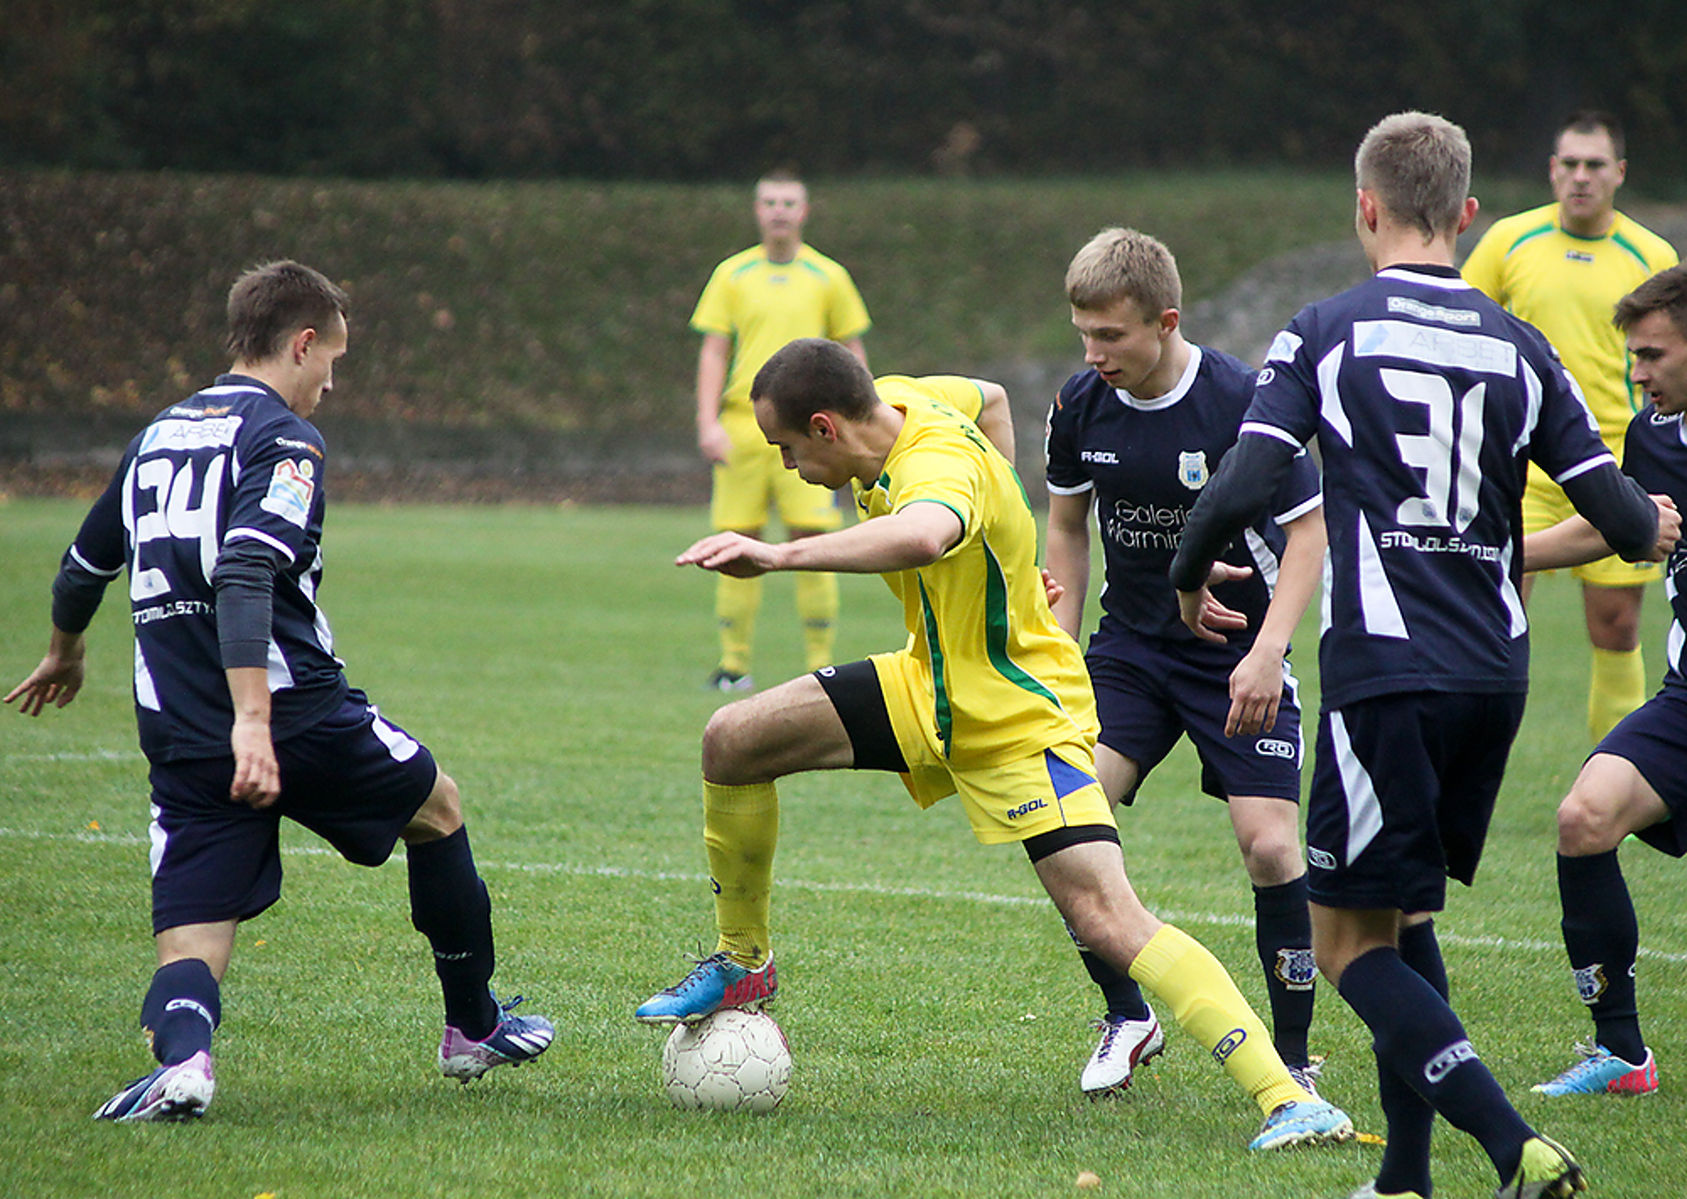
<point>552,657</point>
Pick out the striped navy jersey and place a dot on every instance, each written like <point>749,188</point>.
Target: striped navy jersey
<point>1655,456</point>
<point>230,463</point>
<point>1426,399</point>
<point>1147,461</point>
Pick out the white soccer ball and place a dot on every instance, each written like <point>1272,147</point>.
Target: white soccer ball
<point>728,1061</point>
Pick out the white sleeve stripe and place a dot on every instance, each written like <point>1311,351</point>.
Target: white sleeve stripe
<point>1079,490</point>
<point>1265,430</point>
<point>1582,468</point>
<point>88,566</point>
<point>1299,510</point>
<point>259,535</point>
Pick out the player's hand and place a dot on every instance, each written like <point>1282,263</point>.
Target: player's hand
<point>1204,615</point>
<point>1669,528</point>
<point>55,681</point>
<point>732,554</point>
<point>257,776</point>
<point>1256,690</point>
<point>1053,588</point>
<point>713,441</point>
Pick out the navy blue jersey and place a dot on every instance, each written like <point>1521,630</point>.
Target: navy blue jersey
<point>1655,456</point>
<point>1147,461</point>
<point>230,463</point>
<point>1427,400</point>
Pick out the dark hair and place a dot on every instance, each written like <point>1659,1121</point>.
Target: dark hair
<point>270,303</point>
<point>1593,120</point>
<point>811,375</point>
<point>1664,292</point>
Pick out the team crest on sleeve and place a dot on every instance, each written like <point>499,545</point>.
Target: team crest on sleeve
<point>292,485</point>
<point>1192,469</point>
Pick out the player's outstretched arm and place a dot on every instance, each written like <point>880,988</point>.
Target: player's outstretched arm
<point>1575,542</point>
<point>1256,685</point>
<point>914,536</point>
<point>57,679</point>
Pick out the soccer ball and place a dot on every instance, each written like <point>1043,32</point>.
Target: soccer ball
<point>728,1061</point>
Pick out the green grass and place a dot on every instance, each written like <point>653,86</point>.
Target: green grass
<point>551,657</point>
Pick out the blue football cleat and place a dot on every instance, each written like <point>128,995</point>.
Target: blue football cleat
<point>1303,1122</point>
<point>715,982</point>
<point>1601,1072</point>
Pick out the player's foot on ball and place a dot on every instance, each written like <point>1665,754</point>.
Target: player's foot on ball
<point>729,680</point>
<point>1601,1072</point>
<point>1125,1045</point>
<point>513,1041</point>
<point>715,982</point>
<point>1547,1171</point>
<point>1303,1122</point>
<point>178,1092</point>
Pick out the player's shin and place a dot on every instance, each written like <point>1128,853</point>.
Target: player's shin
<point>449,906</point>
<point>1205,1001</point>
<point>740,833</point>
<point>183,1007</point>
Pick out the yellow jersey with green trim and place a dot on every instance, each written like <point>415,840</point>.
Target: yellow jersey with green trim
<point>761,305</point>
<point>1568,287</point>
<point>1006,682</point>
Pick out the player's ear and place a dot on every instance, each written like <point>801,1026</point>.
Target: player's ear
<point>1169,320</point>
<point>1469,213</point>
<point>302,342</point>
<point>823,426</point>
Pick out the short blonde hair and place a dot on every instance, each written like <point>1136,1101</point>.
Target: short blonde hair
<point>1418,165</point>
<point>1118,264</point>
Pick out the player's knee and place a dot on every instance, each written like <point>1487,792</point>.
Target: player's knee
<point>1587,824</point>
<point>724,744</point>
<point>440,815</point>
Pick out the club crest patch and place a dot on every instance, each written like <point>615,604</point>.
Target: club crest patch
<point>1192,469</point>
<point>292,486</point>
<point>1590,983</point>
<point>1295,969</point>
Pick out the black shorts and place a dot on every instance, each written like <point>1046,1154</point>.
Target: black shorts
<point>354,779</point>
<point>1150,691</point>
<point>1402,793</point>
<point>1653,739</point>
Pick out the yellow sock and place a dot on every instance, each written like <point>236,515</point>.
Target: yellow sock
<point>736,603</point>
<point>817,606</point>
<point>1617,688</point>
<point>1205,1001</point>
<point>740,831</point>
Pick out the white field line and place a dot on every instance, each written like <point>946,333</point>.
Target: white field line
<point>1174,915</point>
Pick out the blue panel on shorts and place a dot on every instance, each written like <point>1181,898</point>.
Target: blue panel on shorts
<point>1065,777</point>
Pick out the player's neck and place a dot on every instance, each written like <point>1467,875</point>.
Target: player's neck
<point>1407,247</point>
<point>1174,360</point>
<point>274,374</point>
<point>1597,225</point>
<point>783,250</point>
<point>871,441</point>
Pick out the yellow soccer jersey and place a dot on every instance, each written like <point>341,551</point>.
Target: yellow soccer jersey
<point>762,305</point>
<point>1568,287</point>
<point>1006,682</point>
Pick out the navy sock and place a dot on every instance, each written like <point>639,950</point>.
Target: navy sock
<point>1283,937</point>
<point>1418,1036</point>
<point>1602,937</point>
<point>1123,996</point>
<point>449,906</point>
<point>182,1008</point>
<point>1411,1120</point>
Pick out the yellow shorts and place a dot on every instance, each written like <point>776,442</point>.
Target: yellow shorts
<point>1545,504</point>
<point>753,482</point>
<point>1010,801</point>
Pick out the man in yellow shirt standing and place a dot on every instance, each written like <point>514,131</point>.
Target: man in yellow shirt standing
<point>755,302</point>
<point>1562,267</point>
<point>988,700</point>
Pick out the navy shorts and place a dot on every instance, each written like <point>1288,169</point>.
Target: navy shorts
<point>1150,691</point>
<point>1402,794</point>
<point>1653,739</point>
<point>355,779</point>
